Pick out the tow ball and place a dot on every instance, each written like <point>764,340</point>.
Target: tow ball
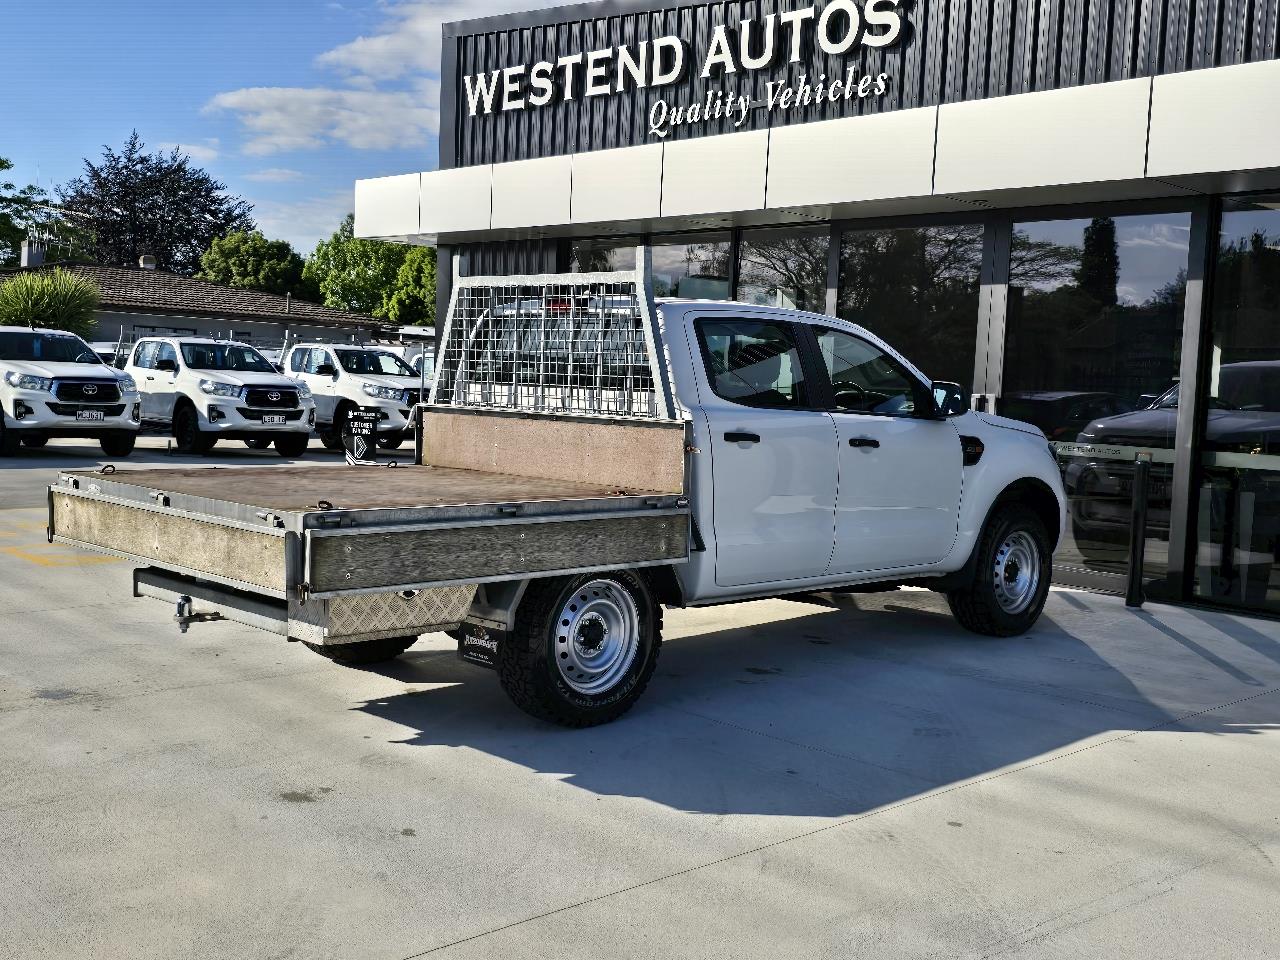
<point>185,616</point>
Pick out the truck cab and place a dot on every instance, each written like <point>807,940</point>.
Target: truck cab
<point>346,377</point>
<point>53,384</point>
<point>203,390</point>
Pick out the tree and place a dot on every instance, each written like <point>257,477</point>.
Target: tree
<point>137,203</point>
<point>18,211</point>
<point>412,301</point>
<point>1099,274</point>
<point>355,274</point>
<point>247,259</point>
<point>49,298</point>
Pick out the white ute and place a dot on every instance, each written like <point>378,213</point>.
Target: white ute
<point>590,455</point>
<point>53,384</point>
<point>346,377</point>
<point>205,390</point>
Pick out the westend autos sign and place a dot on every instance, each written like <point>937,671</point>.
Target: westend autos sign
<point>837,28</point>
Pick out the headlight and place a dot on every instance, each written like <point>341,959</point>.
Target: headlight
<point>127,383</point>
<point>383,393</point>
<point>219,389</point>
<point>304,392</point>
<point>25,381</point>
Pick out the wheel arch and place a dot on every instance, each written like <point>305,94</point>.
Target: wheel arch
<point>1040,498</point>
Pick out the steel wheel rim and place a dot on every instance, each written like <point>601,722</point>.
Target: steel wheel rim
<point>1016,574</point>
<point>596,637</point>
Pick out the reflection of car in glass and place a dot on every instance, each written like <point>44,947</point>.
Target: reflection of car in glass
<point>1061,414</point>
<point>1243,417</point>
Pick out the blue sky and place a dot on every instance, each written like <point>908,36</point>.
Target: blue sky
<point>287,101</point>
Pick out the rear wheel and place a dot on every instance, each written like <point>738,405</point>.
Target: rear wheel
<point>258,443</point>
<point>292,444</point>
<point>35,443</point>
<point>1011,581</point>
<point>118,444</point>
<point>365,652</point>
<point>583,649</point>
<point>187,433</point>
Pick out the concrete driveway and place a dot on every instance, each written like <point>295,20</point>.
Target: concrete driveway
<point>841,778</point>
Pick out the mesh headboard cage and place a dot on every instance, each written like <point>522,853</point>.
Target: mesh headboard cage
<point>568,343</point>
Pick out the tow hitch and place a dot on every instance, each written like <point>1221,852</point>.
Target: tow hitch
<point>185,615</point>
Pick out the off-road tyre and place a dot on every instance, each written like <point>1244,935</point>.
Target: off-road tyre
<point>976,607</point>
<point>526,665</point>
<point>292,445</point>
<point>365,653</point>
<point>258,443</point>
<point>187,435</point>
<point>34,443</point>
<point>118,444</point>
<point>10,440</point>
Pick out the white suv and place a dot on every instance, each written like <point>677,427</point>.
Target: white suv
<point>52,384</point>
<point>207,390</point>
<point>345,377</point>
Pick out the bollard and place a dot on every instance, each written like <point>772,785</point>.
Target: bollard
<point>1138,530</point>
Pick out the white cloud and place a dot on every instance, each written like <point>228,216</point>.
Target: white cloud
<point>305,222</point>
<point>280,119</point>
<point>204,152</point>
<point>274,175</point>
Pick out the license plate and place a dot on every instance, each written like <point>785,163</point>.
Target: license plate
<point>272,418</point>
<point>90,415</point>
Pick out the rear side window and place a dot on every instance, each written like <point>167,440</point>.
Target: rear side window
<point>753,362</point>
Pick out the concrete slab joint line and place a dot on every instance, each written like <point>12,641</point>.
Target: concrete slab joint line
<point>846,821</point>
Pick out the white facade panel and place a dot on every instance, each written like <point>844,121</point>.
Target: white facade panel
<point>1209,121</point>
<point>1079,135</point>
<point>622,184</point>
<point>388,206</point>
<point>714,174</point>
<point>532,193</point>
<point>456,200</point>
<point>878,157</point>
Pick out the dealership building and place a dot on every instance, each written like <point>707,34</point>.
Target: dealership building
<point>1071,207</point>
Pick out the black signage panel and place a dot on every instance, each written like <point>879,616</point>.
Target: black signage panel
<point>360,438</point>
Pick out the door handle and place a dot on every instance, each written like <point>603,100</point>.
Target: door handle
<point>742,437</point>
<point>150,378</point>
<point>863,442</point>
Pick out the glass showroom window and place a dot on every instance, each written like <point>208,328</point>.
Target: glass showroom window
<point>1238,551</point>
<point>694,265</point>
<point>1092,350</point>
<point>604,254</point>
<point>918,289</point>
<point>784,268</point>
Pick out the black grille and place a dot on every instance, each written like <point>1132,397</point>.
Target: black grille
<point>263,397</point>
<point>289,415</point>
<point>71,409</point>
<point>88,391</point>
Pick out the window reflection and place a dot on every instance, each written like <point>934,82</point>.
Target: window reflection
<point>918,290</point>
<point>785,268</point>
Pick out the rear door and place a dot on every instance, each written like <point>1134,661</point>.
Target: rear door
<point>773,455</point>
<point>900,470</point>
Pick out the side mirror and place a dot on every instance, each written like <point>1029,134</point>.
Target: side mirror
<point>950,399</point>
<point>326,370</point>
<point>167,365</point>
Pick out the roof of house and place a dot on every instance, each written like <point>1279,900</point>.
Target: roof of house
<point>158,291</point>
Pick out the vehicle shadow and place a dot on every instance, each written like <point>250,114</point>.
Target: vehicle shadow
<point>828,712</point>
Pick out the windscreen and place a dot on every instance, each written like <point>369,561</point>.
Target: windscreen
<point>50,347</point>
<point>225,356</point>
<point>374,362</point>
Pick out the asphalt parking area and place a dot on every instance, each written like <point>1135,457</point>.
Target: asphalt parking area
<point>850,777</point>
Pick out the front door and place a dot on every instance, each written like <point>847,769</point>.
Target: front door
<point>305,364</point>
<point>773,455</point>
<point>900,476</point>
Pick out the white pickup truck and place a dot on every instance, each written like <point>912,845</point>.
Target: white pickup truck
<point>590,455</point>
<point>53,384</point>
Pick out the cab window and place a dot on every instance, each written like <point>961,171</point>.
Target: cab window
<point>865,379</point>
<point>753,362</point>
<point>298,360</point>
<point>165,352</point>
<point>144,355</point>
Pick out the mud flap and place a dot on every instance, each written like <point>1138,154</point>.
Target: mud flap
<point>478,645</point>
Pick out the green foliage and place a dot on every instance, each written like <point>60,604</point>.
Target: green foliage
<point>412,302</point>
<point>248,260</point>
<point>138,203</point>
<point>18,211</point>
<point>354,274</point>
<point>49,298</point>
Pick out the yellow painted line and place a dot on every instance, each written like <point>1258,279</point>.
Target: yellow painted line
<point>56,560</point>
